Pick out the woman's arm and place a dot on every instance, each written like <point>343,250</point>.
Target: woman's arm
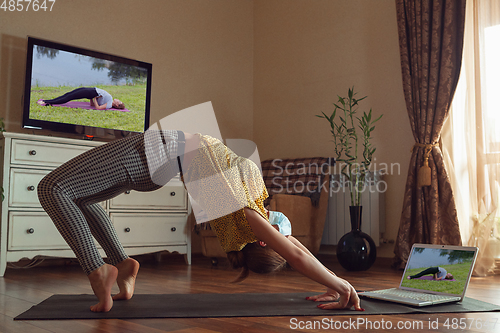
<point>97,106</point>
<point>303,262</point>
<point>303,248</point>
<point>329,295</point>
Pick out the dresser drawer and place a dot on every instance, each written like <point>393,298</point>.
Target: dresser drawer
<point>151,229</point>
<point>43,153</point>
<point>33,231</point>
<point>171,196</point>
<point>23,187</point>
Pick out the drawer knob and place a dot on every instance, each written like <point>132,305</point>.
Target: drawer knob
<point>173,229</point>
<point>31,188</point>
<point>30,231</point>
<point>127,229</point>
<point>172,194</point>
<point>32,152</point>
<point>127,192</point>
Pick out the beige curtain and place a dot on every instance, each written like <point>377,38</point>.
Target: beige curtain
<point>430,41</point>
<point>471,139</point>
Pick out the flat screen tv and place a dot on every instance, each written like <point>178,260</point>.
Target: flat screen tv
<point>54,69</point>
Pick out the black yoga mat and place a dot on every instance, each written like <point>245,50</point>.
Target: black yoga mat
<point>224,305</point>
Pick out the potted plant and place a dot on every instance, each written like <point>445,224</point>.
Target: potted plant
<point>354,152</point>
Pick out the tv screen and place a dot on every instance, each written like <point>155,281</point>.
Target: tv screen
<point>89,93</point>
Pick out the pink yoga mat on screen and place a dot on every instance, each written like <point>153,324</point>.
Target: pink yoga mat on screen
<point>84,105</point>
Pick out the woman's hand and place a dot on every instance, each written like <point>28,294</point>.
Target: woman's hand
<point>330,295</point>
<point>344,300</point>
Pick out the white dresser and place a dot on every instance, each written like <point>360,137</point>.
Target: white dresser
<point>146,222</point>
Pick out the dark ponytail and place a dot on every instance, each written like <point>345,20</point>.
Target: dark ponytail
<point>237,260</point>
<point>255,258</point>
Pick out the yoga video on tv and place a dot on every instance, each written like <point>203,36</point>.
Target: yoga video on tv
<point>72,88</point>
<point>438,270</point>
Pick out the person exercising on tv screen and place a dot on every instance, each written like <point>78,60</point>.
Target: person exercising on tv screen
<point>99,98</point>
<point>438,273</point>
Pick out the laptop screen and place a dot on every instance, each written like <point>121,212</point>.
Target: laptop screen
<point>440,270</point>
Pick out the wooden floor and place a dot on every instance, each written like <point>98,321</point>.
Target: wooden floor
<point>22,288</point>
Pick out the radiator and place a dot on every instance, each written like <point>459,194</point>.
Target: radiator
<point>338,222</point>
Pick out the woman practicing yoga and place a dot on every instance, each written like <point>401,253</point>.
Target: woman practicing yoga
<point>99,98</point>
<point>229,188</point>
<point>438,273</point>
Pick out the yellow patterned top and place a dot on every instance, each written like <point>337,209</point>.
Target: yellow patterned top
<point>223,184</point>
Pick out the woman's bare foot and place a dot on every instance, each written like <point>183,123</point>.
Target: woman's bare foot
<point>102,280</point>
<point>41,102</point>
<point>127,273</point>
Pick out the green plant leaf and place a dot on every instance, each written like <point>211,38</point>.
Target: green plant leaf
<point>377,119</point>
<point>352,134</point>
<point>334,113</point>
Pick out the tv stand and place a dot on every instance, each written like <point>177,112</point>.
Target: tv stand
<point>146,222</point>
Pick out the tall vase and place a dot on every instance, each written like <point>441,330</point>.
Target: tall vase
<point>356,250</point>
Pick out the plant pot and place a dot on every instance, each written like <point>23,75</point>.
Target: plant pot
<point>356,251</point>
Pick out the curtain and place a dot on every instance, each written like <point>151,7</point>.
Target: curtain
<point>471,145</point>
<point>430,40</point>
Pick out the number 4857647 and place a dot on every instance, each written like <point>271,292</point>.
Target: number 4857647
<point>27,5</point>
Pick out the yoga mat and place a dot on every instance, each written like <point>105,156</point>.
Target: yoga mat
<point>84,105</point>
<point>224,305</point>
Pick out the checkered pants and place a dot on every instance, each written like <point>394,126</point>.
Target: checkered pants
<point>71,193</point>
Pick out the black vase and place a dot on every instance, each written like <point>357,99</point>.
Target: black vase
<point>356,250</point>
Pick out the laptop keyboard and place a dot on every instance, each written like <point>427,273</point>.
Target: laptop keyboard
<point>414,295</point>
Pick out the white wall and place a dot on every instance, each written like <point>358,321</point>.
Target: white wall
<point>308,52</point>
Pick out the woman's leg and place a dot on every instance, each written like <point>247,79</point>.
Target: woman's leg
<point>104,232</point>
<point>66,192</point>
<point>102,229</point>
<point>78,93</point>
<point>430,270</point>
<point>70,193</point>
<point>71,224</point>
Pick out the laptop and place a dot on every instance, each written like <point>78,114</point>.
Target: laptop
<point>434,274</point>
